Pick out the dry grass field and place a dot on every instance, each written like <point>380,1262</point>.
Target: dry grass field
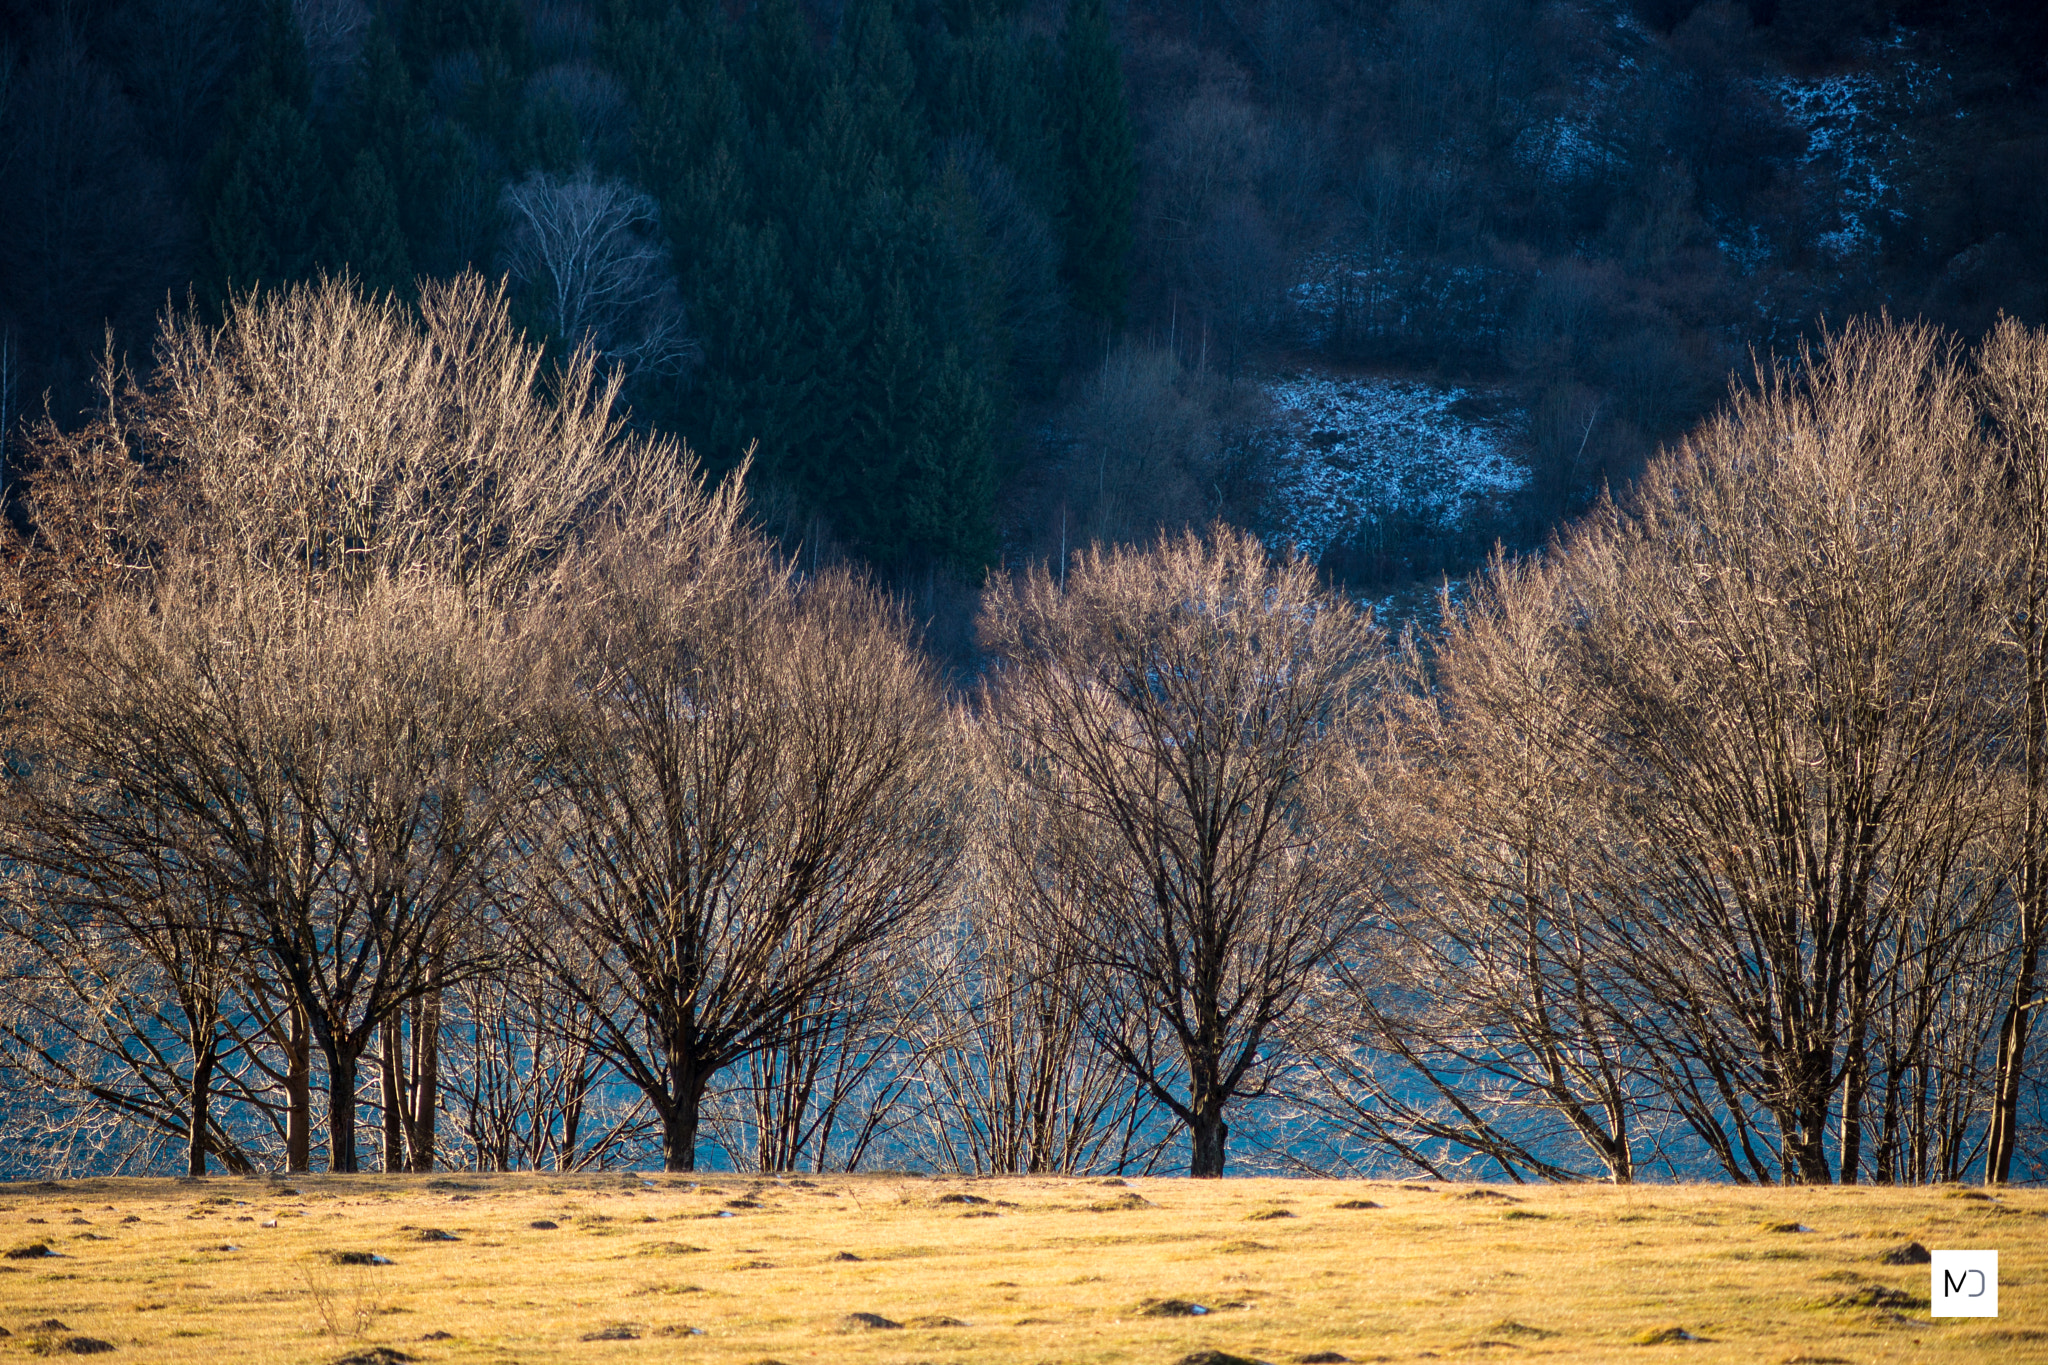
<point>731,1271</point>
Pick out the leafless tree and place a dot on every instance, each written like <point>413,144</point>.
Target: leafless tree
<point>309,673</point>
<point>1187,718</point>
<point>1781,652</point>
<point>1482,1024</point>
<point>750,799</point>
<point>2013,382</point>
<point>1012,1079</point>
<point>589,252</point>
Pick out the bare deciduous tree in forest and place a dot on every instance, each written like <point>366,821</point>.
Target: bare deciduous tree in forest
<point>1187,716</point>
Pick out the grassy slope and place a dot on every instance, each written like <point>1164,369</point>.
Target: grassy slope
<point>1059,1274</point>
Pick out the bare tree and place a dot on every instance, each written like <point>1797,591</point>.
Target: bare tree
<point>1188,718</point>
<point>751,799</point>
<point>309,672</point>
<point>1483,1023</point>
<point>1013,1081</point>
<point>2013,382</point>
<point>1780,664</point>
<point>589,253</point>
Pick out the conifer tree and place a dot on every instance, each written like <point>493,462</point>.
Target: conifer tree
<point>1101,163</point>
<point>366,238</point>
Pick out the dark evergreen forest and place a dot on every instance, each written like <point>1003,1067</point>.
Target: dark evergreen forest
<point>980,279</point>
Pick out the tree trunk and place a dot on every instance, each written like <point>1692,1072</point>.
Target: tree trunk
<point>298,1095</point>
<point>1205,1121</point>
<point>341,1112</point>
<point>202,1090</point>
<point>426,1082</point>
<point>391,1082</point>
<point>679,1118</point>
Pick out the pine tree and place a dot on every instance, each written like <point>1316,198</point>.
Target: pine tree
<point>265,225</point>
<point>1101,163</point>
<point>365,237</point>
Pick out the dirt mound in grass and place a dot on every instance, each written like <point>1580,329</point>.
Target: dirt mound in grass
<point>1508,1327</point>
<point>1912,1253</point>
<point>1218,1358</point>
<point>1357,1204</point>
<point>617,1331</point>
<point>1871,1296</point>
<point>357,1258</point>
<point>1323,1358</point>
<point>376,1355</point>
<point>1664,1336</point>
<point>868,1322</point>
<point>935,1320</point>
<point>435,1235</point>
<point>34,1251</point>
<point>1171,1308</point>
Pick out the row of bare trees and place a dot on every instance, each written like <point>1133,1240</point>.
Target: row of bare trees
<point>393,732</point>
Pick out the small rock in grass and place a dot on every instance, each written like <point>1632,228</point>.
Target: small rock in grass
<point>544,1224</point>
<point>1171,1308</point>
<point>80,1346</point>
<point>131,1218</point>
<point>432,1235</point>
<point>1912,1253</point>
<point>618,1331</point>
<point>868,1322</point>
<point>1664,1336</point>
<point>846,1256</point>
<point>1358,1204</point>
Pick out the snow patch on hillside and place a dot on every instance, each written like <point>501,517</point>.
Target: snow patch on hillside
<point>1359,449</point>
<point>1851,125</point>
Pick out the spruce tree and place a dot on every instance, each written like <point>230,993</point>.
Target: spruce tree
<point>1101,163</point>
<point>365,237</point>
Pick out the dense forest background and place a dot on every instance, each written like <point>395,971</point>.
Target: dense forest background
<point>989,278</point>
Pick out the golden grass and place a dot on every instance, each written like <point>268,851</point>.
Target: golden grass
<point>1036,1270</point>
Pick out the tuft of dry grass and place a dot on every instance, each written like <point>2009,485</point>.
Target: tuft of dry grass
<point>881,1270</point>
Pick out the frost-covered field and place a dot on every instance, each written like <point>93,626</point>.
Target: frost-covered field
<point>1356,449</point>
